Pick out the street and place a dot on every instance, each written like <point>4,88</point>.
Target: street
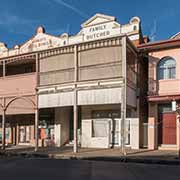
<point>32,169</point>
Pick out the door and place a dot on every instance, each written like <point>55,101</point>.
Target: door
<point>24,134</point>
<point>114,132</point>
<point>169,128</point>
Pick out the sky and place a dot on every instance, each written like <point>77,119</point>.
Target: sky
<point>20,18</point>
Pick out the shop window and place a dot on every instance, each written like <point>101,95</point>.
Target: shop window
<point>99,128</point>
<point>167,68</point>
<point>100,122</point>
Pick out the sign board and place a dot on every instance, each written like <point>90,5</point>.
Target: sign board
<point>173,105</point>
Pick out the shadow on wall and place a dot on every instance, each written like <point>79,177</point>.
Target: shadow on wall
<point>153,76</point>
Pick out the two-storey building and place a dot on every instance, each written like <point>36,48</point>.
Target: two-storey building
<point>18,104</point>
<point>163,93</point>
<point>92,82</point>
<point>88,88</point>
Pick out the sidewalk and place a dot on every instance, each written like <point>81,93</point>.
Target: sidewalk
<point>141,156</point>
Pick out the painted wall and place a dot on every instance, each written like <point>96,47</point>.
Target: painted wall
<point>18,85</point>
<point>62,127</point>
<point>163,87</point>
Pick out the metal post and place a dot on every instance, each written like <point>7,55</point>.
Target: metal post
<point>3,126</point>
<point>4,68</point>
<point>123,124</point>
<point>36,129</point>
<point>123,97</point>
<point>75,107</point>
<point>36,108</point>
<point>75,111</point>
<point>178,116</point>
<point>179,136</point>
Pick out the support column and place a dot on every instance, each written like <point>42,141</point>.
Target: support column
<point>36,129</point>
<point>178,132</point>
<point>152,136</point>
<point>4,68</point>
<point>75,110</point>
<point>3,126</point>
<point>36,109</point>
<point>123,97</point>
<point>75,107</point>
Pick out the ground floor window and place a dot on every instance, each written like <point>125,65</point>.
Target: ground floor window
<point>100,128</point>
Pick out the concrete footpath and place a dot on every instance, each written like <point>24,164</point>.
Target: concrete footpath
<point>113,155</point>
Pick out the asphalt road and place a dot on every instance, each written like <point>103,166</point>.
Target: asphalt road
<point>52,169</point>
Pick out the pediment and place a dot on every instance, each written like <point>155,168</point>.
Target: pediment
<point>98,19</point>
<point>39,42</point>
<point>176,36</point>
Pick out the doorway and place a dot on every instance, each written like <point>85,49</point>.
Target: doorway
<point>24,134</point>
<point>169,128</point>
<point>114,117</point>
<point>166,125</point>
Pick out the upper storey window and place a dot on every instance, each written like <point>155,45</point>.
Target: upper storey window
<point>167,68</point>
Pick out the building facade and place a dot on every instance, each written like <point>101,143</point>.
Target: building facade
<point>80,89</point>
<point>164,93</point>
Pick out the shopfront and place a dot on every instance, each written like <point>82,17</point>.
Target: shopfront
<point>46,127</point>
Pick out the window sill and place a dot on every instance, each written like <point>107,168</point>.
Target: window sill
<point>166,80</point>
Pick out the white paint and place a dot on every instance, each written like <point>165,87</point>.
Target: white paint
<point>57,135</point>
<point>87,141</point>
<point>134,133</point>
<point>100,31</point>
<point>40,42</point>
<point>133,37</point>
<point>56,100</point>
<point>99,96</point>
<point>104,142</point>
<point>173,105</point>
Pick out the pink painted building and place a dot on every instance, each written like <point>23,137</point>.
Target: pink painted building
<point>163,92</point>
<point>18,81</point>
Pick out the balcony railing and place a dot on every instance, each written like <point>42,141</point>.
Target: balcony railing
<point>18,84</point>
<point>164,87</point>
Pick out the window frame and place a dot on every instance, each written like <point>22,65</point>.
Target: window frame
<point>166,73</point>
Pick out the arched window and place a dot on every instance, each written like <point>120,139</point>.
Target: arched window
<point>167,68</point>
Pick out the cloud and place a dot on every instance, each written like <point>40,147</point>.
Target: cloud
<point>11,19</point>
<point>16,24</point>
<point>71,7</point>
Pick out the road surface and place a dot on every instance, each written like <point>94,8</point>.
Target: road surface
<point>52,169</point>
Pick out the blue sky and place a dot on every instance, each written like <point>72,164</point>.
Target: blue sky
<point>19,18</point>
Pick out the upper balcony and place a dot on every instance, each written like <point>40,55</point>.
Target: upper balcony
<point>17,78</point>
<point>164,87</point>
<point>23,84</point>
